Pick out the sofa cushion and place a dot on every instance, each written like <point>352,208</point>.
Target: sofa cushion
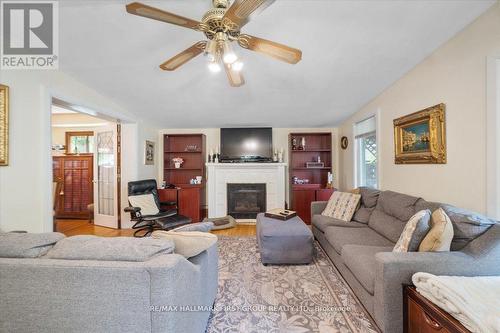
<point>360,260</point>
<point>87,247</point>
<point>439,238</point>
<point>369,196</point>
<point>188,243</point>
<point>362,215</point>
<point>398,205</point>
<point>340,236</point>
<point>392,212</point>
<point>146,202</point>
<point>467,225</point>
<point>26,245</point>
<point>414,232</point>
<point>422,204</point>
<point>342,205</point>
<point>322,222</point>
<point>387,225</point>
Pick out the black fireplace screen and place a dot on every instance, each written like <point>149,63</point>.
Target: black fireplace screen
<point>245,201</point>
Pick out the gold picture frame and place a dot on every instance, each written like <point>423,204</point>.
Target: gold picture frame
<point>420,138</point>
<point>4,125</point>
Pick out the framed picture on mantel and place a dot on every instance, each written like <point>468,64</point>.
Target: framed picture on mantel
<point>420,138</point>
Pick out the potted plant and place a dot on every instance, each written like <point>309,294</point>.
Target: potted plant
<point>177,162</point>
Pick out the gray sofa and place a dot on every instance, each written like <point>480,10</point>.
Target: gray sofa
<point>362,250</point>
<point>55,295</point>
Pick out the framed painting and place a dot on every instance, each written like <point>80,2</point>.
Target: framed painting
<point>4,125</point>
<point>149,153</point>
<point>421,137</point>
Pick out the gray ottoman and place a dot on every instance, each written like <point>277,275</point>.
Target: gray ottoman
<point>284,242</point>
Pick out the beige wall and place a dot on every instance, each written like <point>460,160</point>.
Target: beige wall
<point>455,74</point>
<point>280,140</point>
<point>30,166</point>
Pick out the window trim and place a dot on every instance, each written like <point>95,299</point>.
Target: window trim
<point>493,138</point>
<point>376,116</point>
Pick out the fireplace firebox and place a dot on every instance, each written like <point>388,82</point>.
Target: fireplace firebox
<point>245,201</point>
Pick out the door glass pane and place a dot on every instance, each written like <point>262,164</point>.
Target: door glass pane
<point>367,160</point>
<point>105,173</point>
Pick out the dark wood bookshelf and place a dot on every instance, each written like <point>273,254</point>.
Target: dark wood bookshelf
<point>317,144</point>
<point>190,197</point>
<point>181,145</point>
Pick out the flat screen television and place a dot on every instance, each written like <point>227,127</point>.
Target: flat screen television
<point>246,144</point>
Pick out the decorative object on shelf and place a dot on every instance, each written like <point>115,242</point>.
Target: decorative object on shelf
<point>58,147</point>
<point>199,179</point>
<point>294,144</point>
<point>280,155</point>
<point>298,181</point>
<point>149,153</point>
<point>315,165</point>
<point>420,138</point>
<point>191,148</point>
<point>280,214</point>
<point>344,142</point>
<point>4,125</point>
<point>275,155</point>
<point>177,162</point>
<point>221,26</point>
<point>329,183</point>
<point>302,145</point>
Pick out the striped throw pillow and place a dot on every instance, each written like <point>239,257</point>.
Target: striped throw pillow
<point>342,205</point>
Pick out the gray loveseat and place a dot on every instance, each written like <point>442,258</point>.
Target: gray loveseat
<point>55,295</point>
<point>362,250</point>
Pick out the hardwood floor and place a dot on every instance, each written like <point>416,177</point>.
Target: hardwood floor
<point>83,227</point>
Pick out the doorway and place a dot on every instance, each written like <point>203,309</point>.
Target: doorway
<point>85,169</point>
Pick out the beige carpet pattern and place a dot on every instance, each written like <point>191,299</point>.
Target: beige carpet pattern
<point>254,298</point>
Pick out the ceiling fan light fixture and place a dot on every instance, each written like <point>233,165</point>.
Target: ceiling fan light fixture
<point>237,66</point>
<point>229,55</point>
<point>214,67</point>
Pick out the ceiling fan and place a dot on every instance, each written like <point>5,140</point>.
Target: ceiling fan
<point>221,26</point>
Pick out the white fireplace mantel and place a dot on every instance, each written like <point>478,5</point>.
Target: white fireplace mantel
<point>221,174</point>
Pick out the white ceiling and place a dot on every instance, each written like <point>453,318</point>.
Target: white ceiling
<point>352,51</point>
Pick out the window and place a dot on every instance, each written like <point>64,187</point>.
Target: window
<point>79,142</point>
<point>366,153</point>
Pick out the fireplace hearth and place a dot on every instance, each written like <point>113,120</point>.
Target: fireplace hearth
<point>245,201</point>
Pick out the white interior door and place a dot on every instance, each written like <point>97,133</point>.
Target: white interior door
<point>105,177</point>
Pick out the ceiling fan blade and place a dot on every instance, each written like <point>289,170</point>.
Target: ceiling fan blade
<point>272,49</point>
<point>242,11</point>
<point>184,56</point>
<point>140,9</point>
<point>235,78</point>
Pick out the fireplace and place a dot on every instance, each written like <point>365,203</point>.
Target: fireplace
<point>245,201</point>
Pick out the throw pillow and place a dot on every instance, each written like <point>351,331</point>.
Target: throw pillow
<point>202,227</point>
<point>26,245</point>
<point>188,243</point>
<point>88,247</point>
<point>414,232</point>
<point>146,202</point>
<point>439,238</point>
<point>342,205</point>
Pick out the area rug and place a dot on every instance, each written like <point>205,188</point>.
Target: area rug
<point>254,298</point>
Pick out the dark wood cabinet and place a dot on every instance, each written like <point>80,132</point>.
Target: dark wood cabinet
<point>188,201</point>
<point>304,195</point>
<point>76,175</point>
<point>423,316</point>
